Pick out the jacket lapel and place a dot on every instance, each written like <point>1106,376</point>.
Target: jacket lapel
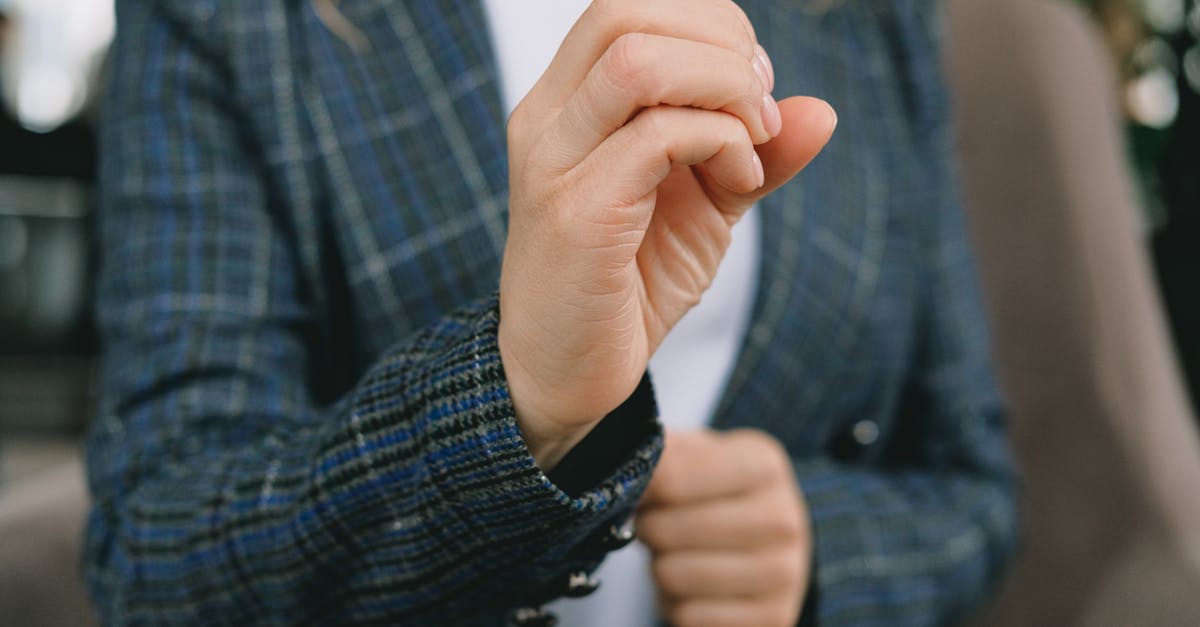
<point>411,116</point>
<point>822,242</point>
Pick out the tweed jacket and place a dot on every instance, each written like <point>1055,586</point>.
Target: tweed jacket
<point>304,416</point>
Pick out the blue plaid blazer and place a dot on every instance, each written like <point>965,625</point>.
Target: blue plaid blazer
<point>304,418</point>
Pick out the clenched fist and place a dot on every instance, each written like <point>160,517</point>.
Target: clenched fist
<point>630,161</point>
<point>728,531</point>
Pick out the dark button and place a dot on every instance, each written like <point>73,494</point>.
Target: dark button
<point>580,584</point>
<point>616,538</point>
<point>532,617</point>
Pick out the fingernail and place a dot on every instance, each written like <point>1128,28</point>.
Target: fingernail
<point>758,169</point>
<point>768,68</point>
<point>772,118</point>
<point>761,70</point>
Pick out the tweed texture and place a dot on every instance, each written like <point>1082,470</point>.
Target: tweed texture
<point>304,418</point>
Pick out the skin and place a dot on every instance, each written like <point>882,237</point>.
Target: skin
<point>728,530</point>
<point>647,139</point>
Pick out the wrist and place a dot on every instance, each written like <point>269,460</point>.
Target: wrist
<point>548,439</point>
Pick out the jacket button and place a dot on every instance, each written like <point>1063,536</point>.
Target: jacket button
<point>616,538</point>
<point>865,432</point>
<point>580,584</point>
<point>532,617</point>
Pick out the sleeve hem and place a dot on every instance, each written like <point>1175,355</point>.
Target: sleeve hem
<point>481,465</point>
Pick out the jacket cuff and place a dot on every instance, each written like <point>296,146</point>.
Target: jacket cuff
<point>479,459</point>
<point>616,438</point>
<point>496,500</point>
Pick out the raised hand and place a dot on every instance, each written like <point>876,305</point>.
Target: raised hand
<point>630,161</point>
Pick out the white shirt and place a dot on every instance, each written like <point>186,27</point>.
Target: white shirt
<point>693,364</point>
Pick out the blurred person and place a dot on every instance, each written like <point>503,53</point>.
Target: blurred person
<point>67,151</point>
<point>369,358</point>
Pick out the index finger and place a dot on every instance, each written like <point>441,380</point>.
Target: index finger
<point>705,465</point>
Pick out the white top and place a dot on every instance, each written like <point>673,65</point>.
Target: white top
<point>693,364</point>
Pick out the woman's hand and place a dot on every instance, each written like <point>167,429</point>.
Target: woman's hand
<point>630,161</point>
<point>728,530</point>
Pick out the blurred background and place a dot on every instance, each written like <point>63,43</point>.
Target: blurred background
<point>51,59</point>
<point>1155,51</point>
<point>1145,59</point>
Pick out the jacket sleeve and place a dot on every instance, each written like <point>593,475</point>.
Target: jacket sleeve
<point>923,534</point>
<point>223,492</point>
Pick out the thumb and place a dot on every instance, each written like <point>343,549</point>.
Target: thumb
<point>808,124</point>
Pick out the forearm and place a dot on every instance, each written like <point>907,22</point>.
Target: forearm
<point>401,502</point>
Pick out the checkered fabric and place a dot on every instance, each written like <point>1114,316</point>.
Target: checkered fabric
<point>304,418</point>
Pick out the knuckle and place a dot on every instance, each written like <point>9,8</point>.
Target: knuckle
<point>626,63</point>
<point>609,7</point>
<point>669,576</point>
<point>754,438</point>
<point>782,569</point>
<point>777,614</point>
<point>526,133</point>
<point>680,614</point>
<point>650,531</point>
<point>784,522</point>
<point>651,127</point>
<point>764,455</point>
<point>667,487</point>
<point>773,450</point>
<point>745,37</point>
<point>517,137</point>
<point>736,132</point>
<point>516,128</point>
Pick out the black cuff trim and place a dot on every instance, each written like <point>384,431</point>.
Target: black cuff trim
<point>610,442</point>
<point>808,616</point>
